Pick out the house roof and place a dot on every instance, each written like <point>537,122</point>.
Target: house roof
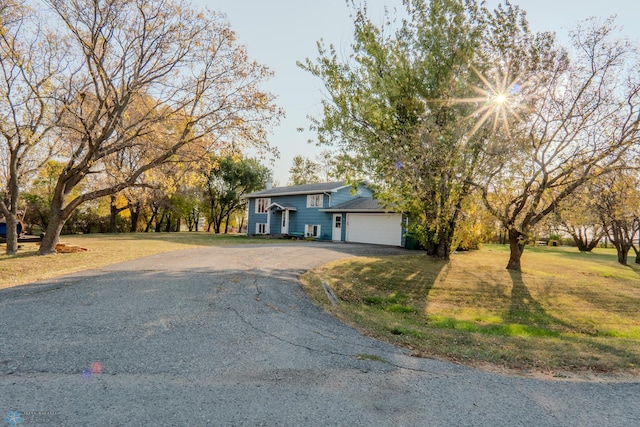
<point>360,204</point>
<point>325,187</point>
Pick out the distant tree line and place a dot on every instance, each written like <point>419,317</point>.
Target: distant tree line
<point>213,193</point>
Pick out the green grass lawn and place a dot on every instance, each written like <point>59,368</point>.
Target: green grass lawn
<point>103,249</point>
<point>567,312</point>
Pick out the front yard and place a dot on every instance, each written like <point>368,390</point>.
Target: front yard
<point>568,313</point>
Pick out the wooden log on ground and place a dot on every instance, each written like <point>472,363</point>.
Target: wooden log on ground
<point>64,248</point>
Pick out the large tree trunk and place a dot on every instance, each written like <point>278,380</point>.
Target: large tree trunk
<point>115,210</point>
<point>581,239</point>
<point>189,222</point>
<point>9,201</point>
<point>440,249</point>
<point>443,250</point>
<point>52,235</point>
<point>154,213</point>
<point>226,224</point>
<point>9,208</point>
<point>211,219</point>
<point>623,256</point>
<point>517,243</point>
<point>12,234</point>
<point>135,216</point>
<point>57,219</point>
<point>147,227</point>
<point>623,252</point>
<point>621,241</point>
<point>113,217</point>
<point>217,223</point>
<point>581,244</point>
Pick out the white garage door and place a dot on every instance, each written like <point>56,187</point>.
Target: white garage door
<point>379,229</point>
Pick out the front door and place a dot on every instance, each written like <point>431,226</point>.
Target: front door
<point>336,234</point>
<point>285,222</point>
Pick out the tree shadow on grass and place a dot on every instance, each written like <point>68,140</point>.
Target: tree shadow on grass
<point>393,284</point>
<point>626,358</point>
<point>525,310</point>
<point>438,270</point>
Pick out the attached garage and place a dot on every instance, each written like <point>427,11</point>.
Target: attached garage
<point>375,228</point>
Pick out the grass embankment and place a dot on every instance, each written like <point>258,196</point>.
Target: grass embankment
<point>567,312</point>
<point>103,249</point>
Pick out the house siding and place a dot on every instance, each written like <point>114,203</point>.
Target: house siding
<point>346,194</point>
<point>304,215</point>
<point>255,218</point>
<point>341,196</point>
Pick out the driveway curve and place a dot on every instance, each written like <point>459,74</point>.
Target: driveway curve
<point>225,336</point>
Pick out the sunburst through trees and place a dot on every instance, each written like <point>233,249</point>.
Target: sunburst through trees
<point>499,98</point>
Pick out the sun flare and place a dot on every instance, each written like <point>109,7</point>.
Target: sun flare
<point>500,99</point>
<point>497,100</point>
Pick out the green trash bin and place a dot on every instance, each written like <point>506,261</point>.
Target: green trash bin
<point>411,242</point>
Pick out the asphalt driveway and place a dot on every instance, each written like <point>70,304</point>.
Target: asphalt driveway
<point>226,336</point>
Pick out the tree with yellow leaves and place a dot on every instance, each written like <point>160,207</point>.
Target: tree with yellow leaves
<point>140,63</point>
<point>617,202</point>
<point>31,56</point>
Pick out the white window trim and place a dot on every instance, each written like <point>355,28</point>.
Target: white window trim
<point>308,233</point>
<point>315,200</point>
<point>262,202</point>
<point>263,225</point>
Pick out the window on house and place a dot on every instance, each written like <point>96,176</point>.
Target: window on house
<point>314,200</point>
<point>261,205</point>
<point>312,230</point>
<point>261,228</point>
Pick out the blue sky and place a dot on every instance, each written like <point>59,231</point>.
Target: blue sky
<point>278,33</point>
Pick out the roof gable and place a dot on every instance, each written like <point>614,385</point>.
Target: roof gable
<point>359,204</point>
<point>282,206</point>
<point>324,187</point>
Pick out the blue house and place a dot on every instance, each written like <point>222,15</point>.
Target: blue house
<point>327,211</point>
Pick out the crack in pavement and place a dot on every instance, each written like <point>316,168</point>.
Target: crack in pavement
<point>333,352</point>
<point>258,288</point>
